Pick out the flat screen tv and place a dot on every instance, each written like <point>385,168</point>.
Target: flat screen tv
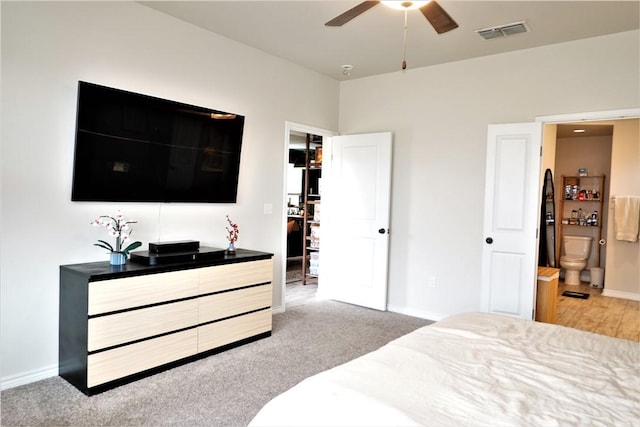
<point>137,148</point>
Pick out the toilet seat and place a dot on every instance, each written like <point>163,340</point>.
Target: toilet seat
<point>571,259</point>
<point>573,262</point>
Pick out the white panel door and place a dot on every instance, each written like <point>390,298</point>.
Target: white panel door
<point>510,219</point>
<point>354,237</point>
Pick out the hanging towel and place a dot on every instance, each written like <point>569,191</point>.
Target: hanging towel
<point>627,218</point>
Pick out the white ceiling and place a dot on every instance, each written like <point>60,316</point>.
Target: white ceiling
<point>372,42</point>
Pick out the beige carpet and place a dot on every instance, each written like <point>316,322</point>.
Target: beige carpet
<point>226,389</point>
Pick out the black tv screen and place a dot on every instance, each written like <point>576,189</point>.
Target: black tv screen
<point>137,148</point>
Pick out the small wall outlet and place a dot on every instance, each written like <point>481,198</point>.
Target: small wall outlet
<point>432,281</point>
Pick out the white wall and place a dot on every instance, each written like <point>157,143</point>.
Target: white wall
<point>46,48</point>
<point>439,117</point>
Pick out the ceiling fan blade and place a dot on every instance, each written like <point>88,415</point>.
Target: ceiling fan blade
<point>439,19</point>
<point>351,13</point>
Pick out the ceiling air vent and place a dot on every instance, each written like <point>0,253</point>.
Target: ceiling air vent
<point>503,30</point>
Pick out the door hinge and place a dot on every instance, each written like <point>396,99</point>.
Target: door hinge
<point>541,151</point>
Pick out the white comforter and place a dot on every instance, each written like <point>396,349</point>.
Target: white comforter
<point>474,369</point>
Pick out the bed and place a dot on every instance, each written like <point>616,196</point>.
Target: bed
<point>474,369</point>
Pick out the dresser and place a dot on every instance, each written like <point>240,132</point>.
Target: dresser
<point>120,323</point>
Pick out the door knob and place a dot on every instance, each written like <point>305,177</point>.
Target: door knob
<point>489,240</point>
<point>382,231</point>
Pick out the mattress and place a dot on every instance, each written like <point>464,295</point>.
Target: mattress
<point>474,369</point>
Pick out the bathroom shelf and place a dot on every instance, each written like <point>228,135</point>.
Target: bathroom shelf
<point>312,203</point>
<point>581,186</point>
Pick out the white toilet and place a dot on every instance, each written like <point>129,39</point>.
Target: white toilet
<point>575,253</point>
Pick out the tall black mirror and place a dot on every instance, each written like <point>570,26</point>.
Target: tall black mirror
<point>547,241</point>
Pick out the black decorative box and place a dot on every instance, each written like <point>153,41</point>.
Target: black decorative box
<point>200,254</point>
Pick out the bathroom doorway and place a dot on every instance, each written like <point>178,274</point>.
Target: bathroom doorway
<point>621,273</point>
<point>583,158</point>
<point>565,152</point>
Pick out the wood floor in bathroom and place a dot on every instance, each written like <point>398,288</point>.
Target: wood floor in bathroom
<point>614,317</point>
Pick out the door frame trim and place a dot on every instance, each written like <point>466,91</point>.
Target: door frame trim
<point>628,113</point>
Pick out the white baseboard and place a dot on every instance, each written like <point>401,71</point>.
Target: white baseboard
<point>28,377</point>
<point>619,294</point>
<point>415,313</point>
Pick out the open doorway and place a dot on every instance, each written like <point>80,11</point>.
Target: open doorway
<point>624,180</point>
<point>303,216</point>
<point>581,159</point>
<point>303,177</point>
<point>582,170</point>
<point>597,166</point>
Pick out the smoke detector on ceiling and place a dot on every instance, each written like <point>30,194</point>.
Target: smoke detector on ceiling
<point>503,30</point>
<point>346,70</point>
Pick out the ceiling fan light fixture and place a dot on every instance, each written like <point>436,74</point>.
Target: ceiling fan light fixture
<point>404,5</point>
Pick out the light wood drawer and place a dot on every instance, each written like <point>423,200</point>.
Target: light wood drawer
<point>120,362</point>
<point>118,294</point>
<point>231,330</point>
<point>124,327</point>
<point>229,276</point>
<point>227,304</point>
